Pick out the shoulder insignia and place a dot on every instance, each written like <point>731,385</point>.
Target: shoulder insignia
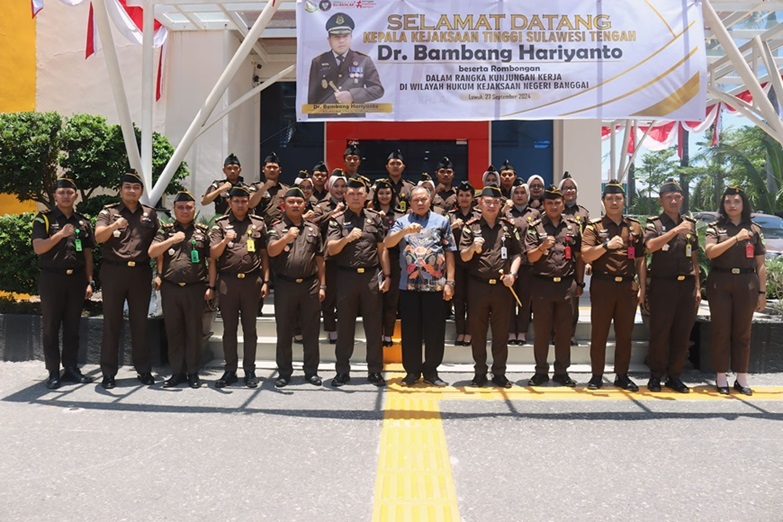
<point>629,218</point>
<point>595,221</point>
<point>222,218</point>
<point>535,223</point>
<point>275,223</point>
<point>713,224</point>
<point>688,218</point>
<point>472,220</point>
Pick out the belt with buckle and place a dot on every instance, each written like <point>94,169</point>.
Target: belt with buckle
<point>733,271</point>
<point>681,277</point>
<point>615,278</point>
<point>555,279</point>
<point>297,280</point>
<point>64,271</point>
<point>240,275</point>
<point>183,283</point>
<point>492,281</point>
<point>129,264</point>
<point>358,269</point>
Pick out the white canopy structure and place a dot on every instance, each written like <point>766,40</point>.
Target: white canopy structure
<point>743,39</point>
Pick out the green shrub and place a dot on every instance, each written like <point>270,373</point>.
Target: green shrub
<point>19,262</point>
<point>775,278</point>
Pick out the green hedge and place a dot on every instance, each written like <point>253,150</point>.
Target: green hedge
<point>19,272</point>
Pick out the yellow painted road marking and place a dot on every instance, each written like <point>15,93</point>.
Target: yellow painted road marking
<point>414,480</point>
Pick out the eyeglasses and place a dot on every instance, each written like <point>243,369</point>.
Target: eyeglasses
<point>536,186</point>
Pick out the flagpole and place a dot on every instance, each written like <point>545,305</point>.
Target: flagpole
<point>147,92</point>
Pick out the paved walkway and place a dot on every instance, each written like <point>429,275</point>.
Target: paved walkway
<point>357,453</point>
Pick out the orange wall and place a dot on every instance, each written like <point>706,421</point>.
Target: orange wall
<point>17,70</point>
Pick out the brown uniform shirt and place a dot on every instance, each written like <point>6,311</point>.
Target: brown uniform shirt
<point>403,190</point>
<point>185,262</point>
<point>364,251</point>
<point>579,213</point>
<point>522,220</point>
<point>501,246</point>
<point>243,254</point>
<point>323,213</point>
<point>64,255</point>
<point>132,242</point>
<point>221,202</point>
<point>735,256</point>
<point>297,260</point>
<point>620,262</point>
<point>673,259</point>
<point>270,207</point>
<point>320,196</point>
<point>445,200</point>
<point>556,262</point>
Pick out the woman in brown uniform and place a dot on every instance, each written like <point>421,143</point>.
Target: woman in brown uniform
<point>735,287</point>
<point>384,201</point>
<point>464,212</point>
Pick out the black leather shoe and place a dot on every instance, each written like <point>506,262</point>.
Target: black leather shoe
<point>479,380</point>
<point>251,381</point>
<point>723,390</point>
<point>282,382</point>
<point>229,377</point>
<point>745,390</point>
<point>386,343</point>
<point>194,381</point>
<point>654,384</point>
<point>73,374</point>
<point>624,382</point>
<point>376,379</point>
<point>434,380</point>
<point>314,379</point>
<point>175,380</point>
<point>146,378</point>
<point>563,379</point>
<point>539,379</point>
<point>410,379</point>
<point>298,340</point>
<point>674,383</point>
<point>595,382</point>
<point>108,382</point>
<point>54,380</point>
<point>502,381</point>
<point>340,379</point>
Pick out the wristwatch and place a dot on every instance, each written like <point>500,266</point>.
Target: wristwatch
<point>450,283</point>
<point>605,244</point>
<point>580,285</point>
<point>92,284</point>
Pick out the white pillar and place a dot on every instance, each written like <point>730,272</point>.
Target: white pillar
<point>577,146</point>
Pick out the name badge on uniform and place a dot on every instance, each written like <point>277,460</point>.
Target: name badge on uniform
<point>194,256</point>
<point>251,245</point>
<point>688,247</point>
<point>631,252</point>
<point>749,250</point>
<point>503,253</point>
<point>77,243</point>
<point>567,252</point>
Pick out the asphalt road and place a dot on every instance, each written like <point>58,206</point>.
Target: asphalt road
<point>303,453</point>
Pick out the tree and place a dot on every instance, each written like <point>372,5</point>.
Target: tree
<point>84,147</point>
<point>29,153</point>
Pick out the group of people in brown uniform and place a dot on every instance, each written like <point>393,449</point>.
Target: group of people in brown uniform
<point>335,245</point>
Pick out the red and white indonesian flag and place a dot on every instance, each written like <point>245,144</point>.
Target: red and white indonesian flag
<point>127,20</point>
<point>495,59</point>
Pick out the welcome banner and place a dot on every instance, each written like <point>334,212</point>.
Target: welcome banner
<point>408,60</point>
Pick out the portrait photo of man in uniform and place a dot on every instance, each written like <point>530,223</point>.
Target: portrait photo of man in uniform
<point>342,75</point>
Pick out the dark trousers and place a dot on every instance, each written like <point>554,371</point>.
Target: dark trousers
<point>461,301</point>
<point>239,296</point>
<point>183,312</point>
<point>423,317</point>
<point>554,312</point>
<point>297,303</point>
<point>672,313</point>
<point>329,303</point>
<point>62,300</point>
<point>732,301</point>
<point>611,301</point>
<point>122,283</point>
<point>520,315</point>
<point>358,293</point>
<point>391,299</point>
<point>490,306</point>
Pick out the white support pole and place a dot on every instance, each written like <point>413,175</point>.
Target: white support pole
<point>769,62</point>
<point>245,97</point>
<point>118,89</point>
<point>746,110</point>
<point>612,150</point>
<point>636,147</point>
<point>214,97</point>
<point>147,95</point>
<point>759,98</point>
<point>624,151</point>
